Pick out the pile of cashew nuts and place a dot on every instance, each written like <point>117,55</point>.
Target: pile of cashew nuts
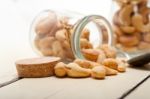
<point>53,35</point>
<point>131,23</point>
<point>101,62</point>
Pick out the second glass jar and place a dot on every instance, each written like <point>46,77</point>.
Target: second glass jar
<point>131,24</point>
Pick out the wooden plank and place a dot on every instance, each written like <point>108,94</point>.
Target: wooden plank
<point>55,88</point>
<point>8,78</point>
<point>142,92</point>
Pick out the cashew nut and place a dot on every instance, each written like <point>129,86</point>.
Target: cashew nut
<point>45,25</point>
<point>86,63</point>
<point>111,63</point>
<point>109,51</point>
<point>128,29</point>
<point>98,72</point>
<point>144,11</point>
<point>121,65</point>
<point>57,49</point>
<point>83,63</point>
<point>110,71</point>
<point>90,54</point>
<point>46,42</point>
<point>129,40</point>
<point>84,43</point>
<point>125,14</point>
<point>74,70</point>
<point>66,45</point>
<point>85,34</point>
<point>137,21</point>
<point>101,57</point>
<point>60,35</point>
<point>47,51</point>
<point>117,30</point>
<point>60,69</point>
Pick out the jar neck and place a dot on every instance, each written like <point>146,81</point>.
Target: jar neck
<point>80,25</point>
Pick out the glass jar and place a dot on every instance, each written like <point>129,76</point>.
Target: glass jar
<point>65,34</point>
<point>131,24</point>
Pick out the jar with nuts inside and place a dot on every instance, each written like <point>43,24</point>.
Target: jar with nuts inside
<point>68,35</point>
<point>131,24</point>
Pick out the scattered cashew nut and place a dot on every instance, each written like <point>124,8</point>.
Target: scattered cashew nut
<point>74,70</point>
<point>98,72</point>
<point>60,69</point>
<point>111,63</point>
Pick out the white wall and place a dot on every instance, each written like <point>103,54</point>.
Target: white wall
<point>15,19</point>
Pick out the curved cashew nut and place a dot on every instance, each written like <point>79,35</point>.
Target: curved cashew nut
<point>74,70</point>
<point>125,14</point>
<point>101,57</point>
<point>110,71</point>
<point>128,29</point>
<point>60,35</point>
<point>84,43</point>
<point>137,21</point>
<point>111,63</point>
<point>46,42</point>
<point>86,63</point>
<point>98,72</point>
<point>117,30</point>
<point>129,40</point>
<point>121,65</point>
<point>109,51</point>
<point>45,25</point>
<point>144,11</point>
<point>57,49</point>
<point>60,69</point>
<point>85,34</point>
<point>46,51</point>
<point>90,54</point>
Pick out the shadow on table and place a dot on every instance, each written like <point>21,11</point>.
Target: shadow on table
<point>145,67</point>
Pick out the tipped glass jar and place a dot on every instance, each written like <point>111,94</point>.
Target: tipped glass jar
<point>66,34</point>
<point>131,24</point>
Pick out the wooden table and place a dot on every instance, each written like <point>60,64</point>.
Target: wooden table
<point>112,87</point>
<point>86,88</point>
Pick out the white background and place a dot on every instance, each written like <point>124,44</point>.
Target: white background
<point>17,15</point>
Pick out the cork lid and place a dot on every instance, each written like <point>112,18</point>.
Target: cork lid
<point>39,60</point>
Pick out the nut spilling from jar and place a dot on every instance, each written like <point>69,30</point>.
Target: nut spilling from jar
<point>53,36</point>
<point>132,25</point>
<point>101,62</point>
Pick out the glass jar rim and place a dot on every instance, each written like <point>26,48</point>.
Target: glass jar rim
<point>79,26</point>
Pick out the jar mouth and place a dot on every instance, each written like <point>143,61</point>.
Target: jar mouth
<point>80,25</point>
